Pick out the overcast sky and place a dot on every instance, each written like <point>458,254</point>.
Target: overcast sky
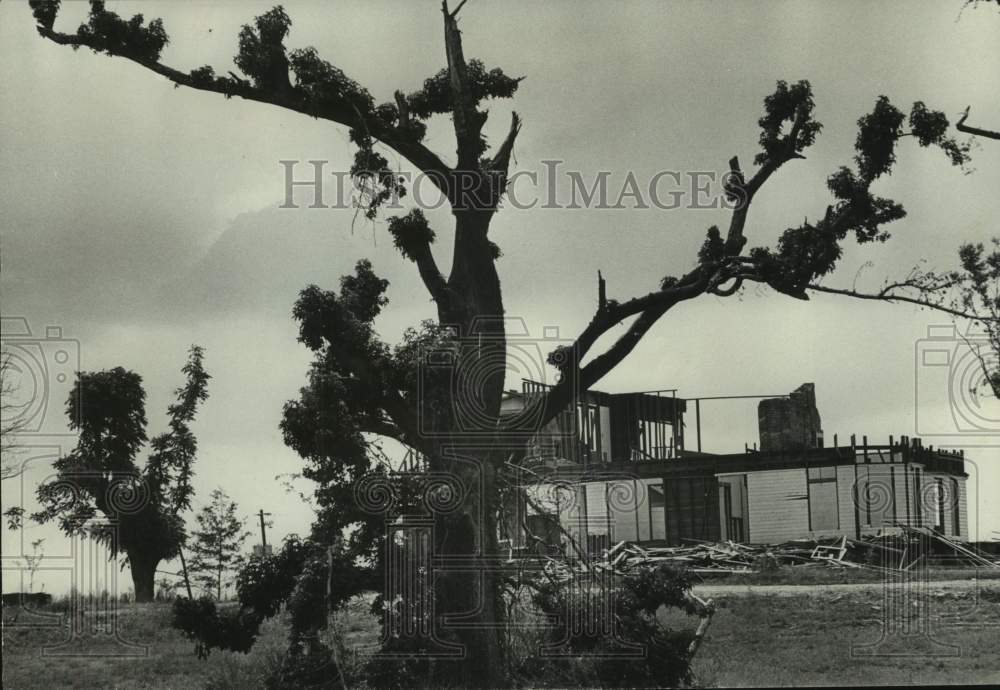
<point>141,218</point>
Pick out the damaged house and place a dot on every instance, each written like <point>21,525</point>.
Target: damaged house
<point>617,468</point>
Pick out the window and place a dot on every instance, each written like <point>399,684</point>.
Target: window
<point>657,518</point>
<point>892,489</point>
<point>822,495</point>
<point>939,490</point>
<point>876,495</point>
<point>733,507</point>
<point>588,424</point>
<point>956,513</point>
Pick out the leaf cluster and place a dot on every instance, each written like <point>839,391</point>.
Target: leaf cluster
<point>106,32</point>
<point>629,608</point>
<point>811,250</point>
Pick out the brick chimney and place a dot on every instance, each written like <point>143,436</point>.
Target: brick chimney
<point>790,423</point>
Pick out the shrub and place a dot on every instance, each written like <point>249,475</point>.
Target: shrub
<point>612,627</point>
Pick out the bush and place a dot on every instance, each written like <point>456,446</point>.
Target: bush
<point>612,629</point>
<point>200,620</point>
<point>311,667</point>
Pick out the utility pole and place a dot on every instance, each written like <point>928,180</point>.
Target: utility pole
<point>263,536</point>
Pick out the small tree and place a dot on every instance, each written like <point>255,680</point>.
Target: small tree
<point>100,475</point>
<point>217,544</point>
<point>34,561</point>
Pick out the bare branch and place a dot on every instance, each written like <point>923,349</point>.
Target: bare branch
<point>344,113</point>
<point>457,9</point>
<point>650,308</point>
<point>889,295</point>
<point>604,363</point>
<point>402,418</point>
<point>10,423</point>
<point>744,191</point>
<point>501,161</point>
<point>383,427</point>
<point>962,127</point>
<point>989,376</point>
<point>434,281</point>
<point>611,314</point>
<point>531,503</point>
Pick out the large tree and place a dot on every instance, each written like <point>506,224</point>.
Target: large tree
<point>141,506</point>
<point>361,389</point>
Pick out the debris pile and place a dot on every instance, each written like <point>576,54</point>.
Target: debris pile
<point>898,549</point>
<point>723,558</point>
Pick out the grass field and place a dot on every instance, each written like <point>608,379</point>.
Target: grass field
<point>834,639</point>
<point>754,640</point>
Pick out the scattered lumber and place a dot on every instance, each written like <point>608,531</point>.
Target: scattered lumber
<point>968,553</point>
<point>834,553</point>
<point>889,550</point>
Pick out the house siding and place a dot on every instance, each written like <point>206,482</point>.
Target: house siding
<point>949,527</point>
<point>597,508</point>
<point>902,482</point>
<point>918,493</point>
<point>933,481</point>
<point>778,505</point>
<point>645,510</point>
<point>845,499</point>
<point>624,501</point>
<point>777,508</point>
<point>913,475</point>
<point>875,497</point>
<point>963,529</point>
<point>572,519</point>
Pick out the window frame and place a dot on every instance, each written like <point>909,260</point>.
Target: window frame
<point>820,479</point>
<point>956,509</point>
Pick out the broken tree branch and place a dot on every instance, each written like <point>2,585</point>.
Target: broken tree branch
<point>889,296</point>
<point>500,163</point>
<point>467,119</point>
<point>743,192</point>
<point>962,127</point>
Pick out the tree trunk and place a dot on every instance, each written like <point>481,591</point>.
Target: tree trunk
<point>143,575</point>
<point>474,274</point>
<point>469,601</point>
